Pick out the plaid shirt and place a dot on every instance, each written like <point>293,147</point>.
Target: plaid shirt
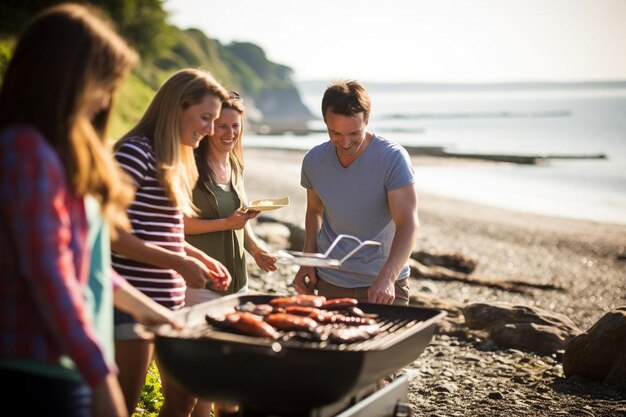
<point>44,260</point>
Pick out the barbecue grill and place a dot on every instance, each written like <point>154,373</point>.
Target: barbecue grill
<point>288,377</point>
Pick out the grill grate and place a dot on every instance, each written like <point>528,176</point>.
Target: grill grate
<point>392,328</point>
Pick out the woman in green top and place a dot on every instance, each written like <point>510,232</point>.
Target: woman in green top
<point>221,230</point>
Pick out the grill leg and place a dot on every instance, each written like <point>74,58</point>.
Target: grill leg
<point>383,403</point>
<point>388,401</point>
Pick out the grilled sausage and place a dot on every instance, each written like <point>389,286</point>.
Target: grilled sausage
<point>219,322</point>
<point>326,316</point>
<point>284,321</point>
<point>301,310</point>
<point>353,333</point>
<point>251,325</point>
<point>258,309</point>
<point>339,303</point>
<point>299,300</point>
<point>310,297</point>
<point>355,311</point>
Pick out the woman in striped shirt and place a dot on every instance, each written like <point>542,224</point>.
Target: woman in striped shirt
<point>158,155</point>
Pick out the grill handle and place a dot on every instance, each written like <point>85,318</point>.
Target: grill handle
<point>353,251</point>
<point>322,260</point>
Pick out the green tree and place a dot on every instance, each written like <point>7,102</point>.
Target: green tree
<point>142,22</point>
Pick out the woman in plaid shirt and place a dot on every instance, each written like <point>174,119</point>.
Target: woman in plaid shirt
<point>55,101</point>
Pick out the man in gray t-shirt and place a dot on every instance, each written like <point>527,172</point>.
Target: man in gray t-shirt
<point>363,185</point>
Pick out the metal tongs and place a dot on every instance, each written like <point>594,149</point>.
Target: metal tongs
<point>322,260</point>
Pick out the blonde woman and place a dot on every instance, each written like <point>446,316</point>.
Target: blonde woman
<point>158,155</point>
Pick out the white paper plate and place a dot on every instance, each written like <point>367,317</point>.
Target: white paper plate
<point>266,204</point>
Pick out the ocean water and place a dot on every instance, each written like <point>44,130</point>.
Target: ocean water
<point>544,120</point>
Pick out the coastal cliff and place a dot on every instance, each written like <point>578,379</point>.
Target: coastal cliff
<point>273,102</point>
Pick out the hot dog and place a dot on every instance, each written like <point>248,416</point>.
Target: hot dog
<point>251,325</point>
<point>339,303</point>
<point>284,321</point>
<point>299,300</point>
<point>301,310</point>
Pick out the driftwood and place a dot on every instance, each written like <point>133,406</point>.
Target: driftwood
<point>454,261</point>
<point>515,159</point>
<point>439,273</point>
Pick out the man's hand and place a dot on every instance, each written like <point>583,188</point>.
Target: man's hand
<point>382,291</point>
<point>305,280</point>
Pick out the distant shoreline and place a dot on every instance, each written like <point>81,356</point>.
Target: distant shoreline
<point>440,152</point>
<point>319,85</point>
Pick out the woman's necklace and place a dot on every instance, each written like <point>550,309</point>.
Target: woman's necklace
<point>222,173</point>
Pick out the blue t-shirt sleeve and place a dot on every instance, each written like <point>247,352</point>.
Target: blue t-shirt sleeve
<point>399,171</point>
<point>305,181</point>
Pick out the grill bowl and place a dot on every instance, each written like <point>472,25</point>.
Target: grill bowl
<point>291,375</point>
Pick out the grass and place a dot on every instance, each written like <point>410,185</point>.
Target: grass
<point>131,102</point>
<point>151,398</point>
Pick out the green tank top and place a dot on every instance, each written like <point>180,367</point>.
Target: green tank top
<point>225,246</point>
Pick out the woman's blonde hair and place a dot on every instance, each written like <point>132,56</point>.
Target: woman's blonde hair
<point>67,56</point>
<point>176,168</point>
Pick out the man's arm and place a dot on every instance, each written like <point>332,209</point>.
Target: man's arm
<point>312,226</point>
<point>403,207</point>
<point>312,220</point>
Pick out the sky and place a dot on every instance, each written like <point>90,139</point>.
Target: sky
<point>423,40</point>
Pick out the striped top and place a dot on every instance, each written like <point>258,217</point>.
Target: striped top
<point>154,219</point>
